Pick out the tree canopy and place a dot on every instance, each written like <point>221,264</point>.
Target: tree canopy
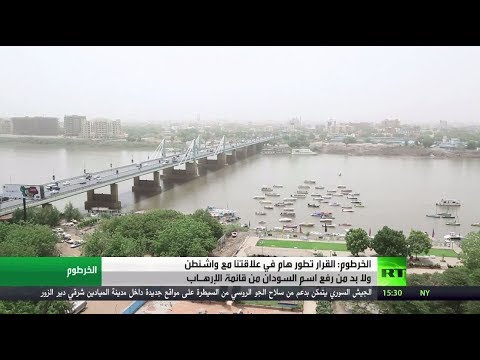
<point>71,213</point>
<point>389,242</point>
<point>471,250</point>
<point>418,243</point>
<point>357,241</point>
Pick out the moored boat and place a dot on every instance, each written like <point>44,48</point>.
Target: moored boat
<point>341,186</point>
<point>355,202</point>
<point>266,188</point>
<point>290,199</point>
<point>313,205</point>
<point>303,187</point>
<point>272,194</point>
<point>346,191</point>
<point>310,181</point>
<point>331,191</point>
<point>453,223</point>
<point>327,196</point>
<point>288,202</point>
<point>345,224</point>
<point>346,207</point>
<point>290,226</point>
<point>278,228</point>
<point>306,224</point>
<point>262,222</point>
<point>289,209</point>
<point>278,186</point>
<point>269,207</point>
<point>436,216</point>
<point>335,204</point>
<point>320,187</point>
<point>258,197</point>
<point>359,205</point>
<point>336,194</point>
<point>326,220</point>
<point>302,191</point>
<point>316,195</point>
<point>279,204</point>
<point>260,213</point>
<point>453,236</point>
<point>299,195</point>
<point>348,210</point>
<point>448,202</point>
<point>285,219</point>
<point>287,213</point>
<point>330,225</point>
<point>265,202</point>
<point>351,197</point>
<point>476,224</point>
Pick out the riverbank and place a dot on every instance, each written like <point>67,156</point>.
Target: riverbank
<point>390,150</point>
<point>18,140</point>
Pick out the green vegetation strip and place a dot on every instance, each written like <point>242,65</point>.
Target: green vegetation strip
<point>443,252</point>
<point>316,245</point>
<point>311,245</point>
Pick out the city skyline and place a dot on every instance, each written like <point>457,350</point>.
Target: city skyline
<point>242,84</point>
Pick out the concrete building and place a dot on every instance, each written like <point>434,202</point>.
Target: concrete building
<point>36,125</point>
<point>101,129</point>
<point>5,126</point>
<point>72,124</point>
<point>333,128</point>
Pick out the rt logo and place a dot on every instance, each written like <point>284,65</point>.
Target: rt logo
<point>393,273</point>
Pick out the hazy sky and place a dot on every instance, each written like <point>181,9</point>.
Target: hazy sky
<point>414,84</point>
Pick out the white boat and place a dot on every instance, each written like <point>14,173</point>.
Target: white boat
<point>288,202</point>
<point>356,194</point>
<point>260,213</point>
<point>299,195</point>
<point>453,236</point>
<point>302,191</point>
<point>278,228</point>
<point>359,205</point>
<point>279,204</point>
<point>265,202</point>
<point>324,201</point>
<point>326,220</point>
<point>266,188</point>
<point>259,197</point>
<point>260,228</point>
<point>345,224</point>
<point>331,191</point>
<point>346,191</point>
<point>448,202</point>
<point>335,194</point>
<point>327,196</point>
<point>476,224</point>
<point>303,187</point>
<point>346,207</point>
<point>306,224</point>
<point>272,194</point>
<point>341,186</point>
<point>320,187</point>
<point>269,207</point>
<point>348,210</point>
<point>287,213</point>
<point>289,209</point>
<point>351,197</point>
<point>262,222</point>
<point>334,204</point>
<point>317,195</point>
<point>330,225</point>
<point>289,199</point>
<point>278,186</point>
<point>310,181</point>
<point>453,223</point>
<point>303,152</point>
<point>285,220</point>
<point>356,202</point>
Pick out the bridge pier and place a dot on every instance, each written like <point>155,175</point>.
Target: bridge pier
<point>231,158</point>
<point>147,186</point>
<point>190,172</point>
<point>251,149</point>
<point>103,200</point>
<point>241,153</point>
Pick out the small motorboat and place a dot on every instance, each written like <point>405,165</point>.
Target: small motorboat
<point>346,207</point>
<point>285,220</point>
<point>335,204</point>
<point>453,223</point>
<point>265,202</point>
<point>359,205</point>
<point>476,224</point>
<point>288,202</point>
<point>302,191</point>
<point>316,195</point>
<point>306,224</point>
<point>309,181</point>
<point>272,194</point>
<point>353,202</point>
<point>289,199</point>
<point>290,226</point>
<point>299,195</point>
<point>269,207</point>
<point>327,196</point>
<point>326,220</point>
<point>313,205</point>
<point>277,228</point>
<point>348,210</point>
<point>260,213</point>
<point>259,197</point>
<point>279,204</point>
<point>345,224</point>
<point>453,236</point>
<point>278,186</point>
<point>341,186</point>
<point>262,222</point>
<point>303,187</point>
<point>436,216</point>
<point>330,225</point>
<point>337,194</point>
<point>287,213</point>
<point>320,187</point>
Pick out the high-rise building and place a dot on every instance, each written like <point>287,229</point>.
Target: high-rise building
<point>101,129</point>
<point>5,126</point>
<point>36,125</point>
<point>72,124</point>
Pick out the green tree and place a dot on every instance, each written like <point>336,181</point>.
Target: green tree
<point>389,242</point>
<point>70,213</point>
<point>324,307</point>
<point>204,216</point>
<point>418,243</point>
<point>357,241</point>
<point>349,140</point>
<point>427,141</point>
<point>471,250</point>
<point>185,237</point>
<point>27,240</point>
<point>472,145</point>
<point>35,307</point>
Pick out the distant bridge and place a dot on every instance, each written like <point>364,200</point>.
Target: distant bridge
<point>192,159</point>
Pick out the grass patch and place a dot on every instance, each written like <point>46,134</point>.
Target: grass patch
<point>443,252</point>
<point>309,245</point>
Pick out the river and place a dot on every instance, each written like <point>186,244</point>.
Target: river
<point>396,191</point>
